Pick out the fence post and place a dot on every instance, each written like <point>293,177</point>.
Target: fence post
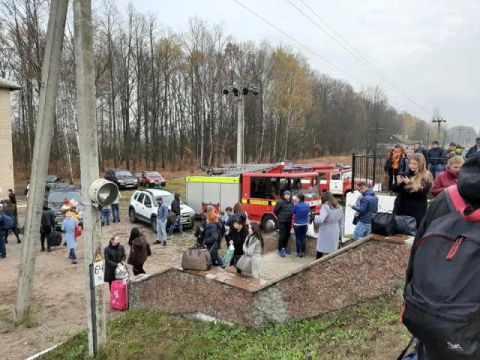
<point>353,172</point>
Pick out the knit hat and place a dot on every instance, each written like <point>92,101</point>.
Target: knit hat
<point>287,192</point>
<point>469,181</point>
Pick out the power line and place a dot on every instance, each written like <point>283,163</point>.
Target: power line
<point>299,43</point>
<point>349,48</point>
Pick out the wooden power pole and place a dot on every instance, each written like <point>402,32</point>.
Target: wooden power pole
<point>88,148</point>
<point>41,155</point>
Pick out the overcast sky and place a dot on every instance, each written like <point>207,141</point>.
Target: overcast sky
<point>428,49</point>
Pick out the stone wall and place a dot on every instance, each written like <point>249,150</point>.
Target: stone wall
<point>6,175</point>
<point>356,273</point>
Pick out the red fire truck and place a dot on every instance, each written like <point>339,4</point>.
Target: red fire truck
<point>257,191</point>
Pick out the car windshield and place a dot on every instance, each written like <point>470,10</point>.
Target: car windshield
<point>167,199</point>
<point>58,197</point>
<point>152,174</point>
<point>311,194</point>
<point>52,178</point>
<point>123,173</point>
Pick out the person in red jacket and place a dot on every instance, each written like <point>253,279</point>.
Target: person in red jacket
<point>449,177</point>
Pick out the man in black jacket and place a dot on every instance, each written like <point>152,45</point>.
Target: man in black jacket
<point>175,208</point>
<point>284,212</point>
<point>419,149</point>
<point>46,225</point>
<point>436,159</point>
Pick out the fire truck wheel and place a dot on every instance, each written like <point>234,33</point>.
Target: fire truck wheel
<point>269,223</point>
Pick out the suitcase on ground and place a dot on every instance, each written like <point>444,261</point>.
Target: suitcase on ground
<point>55,238</point>
<point>119,295</point>
<point>196,258</point>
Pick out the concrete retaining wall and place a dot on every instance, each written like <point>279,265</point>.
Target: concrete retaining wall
<point>354,274</point>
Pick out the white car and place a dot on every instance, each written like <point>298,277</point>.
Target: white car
<point>143,207</point>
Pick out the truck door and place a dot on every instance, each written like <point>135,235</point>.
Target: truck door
<point>336,183</point>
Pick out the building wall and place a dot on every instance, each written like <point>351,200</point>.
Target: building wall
<point>6,152</point>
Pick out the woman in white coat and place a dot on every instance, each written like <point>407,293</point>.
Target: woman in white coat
<point>252,250</point>
<point>331,225</point>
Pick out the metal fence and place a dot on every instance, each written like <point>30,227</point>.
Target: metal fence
<point>368,168</point>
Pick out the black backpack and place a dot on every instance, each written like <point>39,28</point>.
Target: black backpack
<point>442,290</point>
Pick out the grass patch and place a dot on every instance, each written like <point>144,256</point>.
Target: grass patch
<point>346,334</point>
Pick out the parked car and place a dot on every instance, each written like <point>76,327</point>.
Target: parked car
<point>122,177</point>
<point>52,181</point>
<point>55,200</point>
<point>150,178</point>
<point>143,207</point>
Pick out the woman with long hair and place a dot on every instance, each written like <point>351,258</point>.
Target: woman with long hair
<point>114,254</point>
<point>331,225</point>
<point>139,251</point>
<point>412,189</point>
<point>252,250</point>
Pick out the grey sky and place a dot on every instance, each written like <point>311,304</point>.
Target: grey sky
<point>427,48</point>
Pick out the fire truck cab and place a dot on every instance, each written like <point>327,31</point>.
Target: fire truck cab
<point>257,191</point>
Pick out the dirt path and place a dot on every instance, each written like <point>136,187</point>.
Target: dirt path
<point>58,296</point>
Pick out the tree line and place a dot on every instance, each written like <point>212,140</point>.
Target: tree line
<point>160,102</point>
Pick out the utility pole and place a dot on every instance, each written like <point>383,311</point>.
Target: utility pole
<point>88,148</point>
<point>240,95</point>
<point>240,130</point>
<point>376,131</point>
<point>438,120</point>
<point>41,155</point>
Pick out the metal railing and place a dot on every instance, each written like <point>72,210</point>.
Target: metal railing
<point>368,168</point>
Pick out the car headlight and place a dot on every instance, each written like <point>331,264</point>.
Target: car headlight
<point>192,213</point>
<point>121,181</point>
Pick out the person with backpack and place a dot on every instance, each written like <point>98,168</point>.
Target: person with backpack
<point>442,296</point>
<point>69,226</point>
<point>139,251</point>
<point>412,190</point>
<point>284,213</point>
<point>213,237</point>
<point>46,226</point>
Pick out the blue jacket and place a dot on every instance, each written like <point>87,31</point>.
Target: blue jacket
<point>301,213</point>
<point>6,222</point>
<point>368,207</point>
<point>162,212</point>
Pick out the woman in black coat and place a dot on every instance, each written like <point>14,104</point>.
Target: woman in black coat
<point>237,237</point>
<point>413,189</point>
<point>114,253</point>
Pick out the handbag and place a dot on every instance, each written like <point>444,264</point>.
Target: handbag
<point>383,224</point>
<point>121,272</point>
<point>227,259</point>
<point>243,263</point>
<point>196,258</point>
<point>356,218</point>
<point>405,225</point>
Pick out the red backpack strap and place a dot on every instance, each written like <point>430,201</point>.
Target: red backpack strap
<point>460,205</point>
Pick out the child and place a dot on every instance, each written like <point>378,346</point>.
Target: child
<point>69,225</point>
<point>106,211</point>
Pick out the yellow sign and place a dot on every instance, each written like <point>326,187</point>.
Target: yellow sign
<point>213,179</point>
<point>98,256</point>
